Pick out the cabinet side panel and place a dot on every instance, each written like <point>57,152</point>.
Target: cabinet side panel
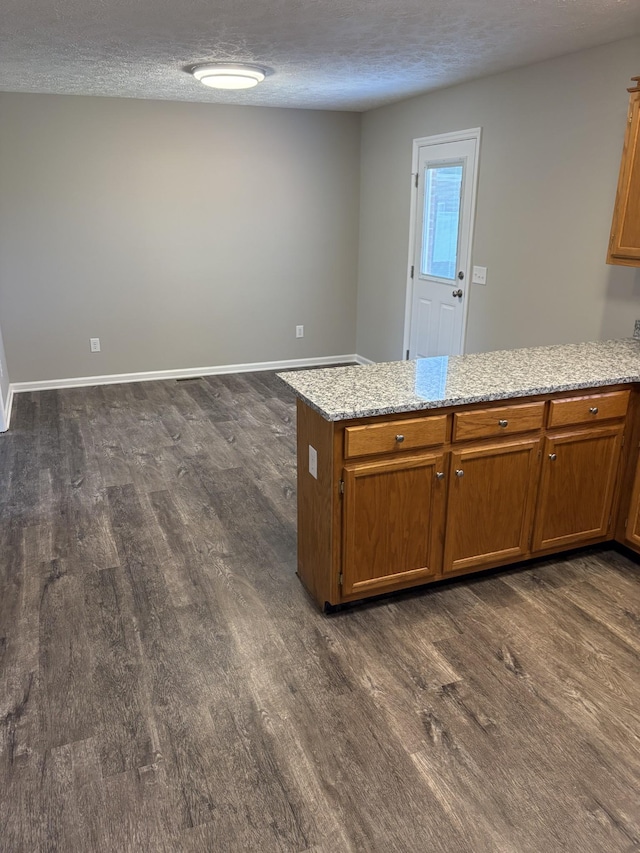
<point>629,239</point>
<point>632,530</point>
<point>624,243</point>
<point>627,505</point>
<point>315,503</point>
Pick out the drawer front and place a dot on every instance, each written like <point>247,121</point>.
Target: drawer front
<point>588,409</point>
<point>503,420</point>
<point>394,435</point>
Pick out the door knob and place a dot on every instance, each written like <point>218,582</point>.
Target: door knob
<point>459,472</point>
<point>552,457</point>
<point>457,292</point>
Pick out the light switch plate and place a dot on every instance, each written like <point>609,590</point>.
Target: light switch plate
<point>479,275</point>
<point>313,462</point>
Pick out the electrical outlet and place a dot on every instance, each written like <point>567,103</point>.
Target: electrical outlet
<point>94,343</point>
<point>479,275</point>
<point>299,331</point>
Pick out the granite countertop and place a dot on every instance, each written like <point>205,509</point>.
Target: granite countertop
<point>341,393</point>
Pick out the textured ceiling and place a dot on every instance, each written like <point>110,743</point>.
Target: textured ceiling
<point>324,54</point>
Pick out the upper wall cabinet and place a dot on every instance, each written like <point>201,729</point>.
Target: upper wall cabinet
<point>624,244</point>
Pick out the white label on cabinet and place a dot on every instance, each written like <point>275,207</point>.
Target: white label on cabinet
<point>313,462</point>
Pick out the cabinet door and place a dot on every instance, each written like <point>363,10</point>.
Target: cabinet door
<point>392,523</point>
<point>490,504</point>
<point>624,244</point>
<point>576,491</point>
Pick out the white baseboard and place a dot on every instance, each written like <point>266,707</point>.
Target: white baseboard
<point>5,416</point>
<point>185,373</point>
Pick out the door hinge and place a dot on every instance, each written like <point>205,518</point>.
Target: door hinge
<point>412,269</point>
<point>340,579</point>
<point>341,487</point>
<point>417,176</point>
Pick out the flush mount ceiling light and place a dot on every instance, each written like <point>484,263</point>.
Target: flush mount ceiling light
<point>228,76</point>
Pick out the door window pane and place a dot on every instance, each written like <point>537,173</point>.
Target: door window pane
<point>441,222</point>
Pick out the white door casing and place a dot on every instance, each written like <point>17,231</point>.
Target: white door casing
<point>437,299</point>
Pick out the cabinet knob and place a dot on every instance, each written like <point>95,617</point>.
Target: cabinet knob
<point>399,439</point>
<point>503,423</point>
<point>552,457</point>
<point>593,410</point>
<point>459,472</point>
<point>439,475</point>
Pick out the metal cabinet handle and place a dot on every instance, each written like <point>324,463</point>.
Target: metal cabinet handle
<point>552,457</point>
<point>503,423</point>
<point>459,472</point>
<point>399,439</point>
<point>439,475</point>
<point>593,410</point>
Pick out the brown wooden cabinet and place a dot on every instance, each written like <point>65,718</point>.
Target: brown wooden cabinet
<point>577,487</point>
<point>632,526</point>
<point>390,502</point>
<point>490,503</point>
<point>392,522</point>
<point>624,243</point>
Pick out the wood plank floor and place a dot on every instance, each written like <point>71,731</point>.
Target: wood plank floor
<point>168,686</point>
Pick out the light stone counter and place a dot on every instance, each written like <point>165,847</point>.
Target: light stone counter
<point>340,393</point>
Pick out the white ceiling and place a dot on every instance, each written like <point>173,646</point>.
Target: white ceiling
<point>324,54</point>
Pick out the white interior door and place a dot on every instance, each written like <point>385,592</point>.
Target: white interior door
<point>444,192</point>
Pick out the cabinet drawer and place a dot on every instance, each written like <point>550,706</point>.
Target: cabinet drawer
<point>503,420</point>
<point>588,409</point>
<point>394,435</point>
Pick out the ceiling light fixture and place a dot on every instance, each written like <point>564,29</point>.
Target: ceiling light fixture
<point>228,76</point>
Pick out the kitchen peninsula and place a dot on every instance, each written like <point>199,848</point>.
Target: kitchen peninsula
<point>413,471</point>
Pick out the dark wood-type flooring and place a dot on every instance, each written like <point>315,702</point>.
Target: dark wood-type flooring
<point>167,685</point>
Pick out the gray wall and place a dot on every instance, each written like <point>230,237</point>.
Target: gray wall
<point>191,235</point>
<point>4,384</point>
<point>182,235</point>
<point>549,159</point>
